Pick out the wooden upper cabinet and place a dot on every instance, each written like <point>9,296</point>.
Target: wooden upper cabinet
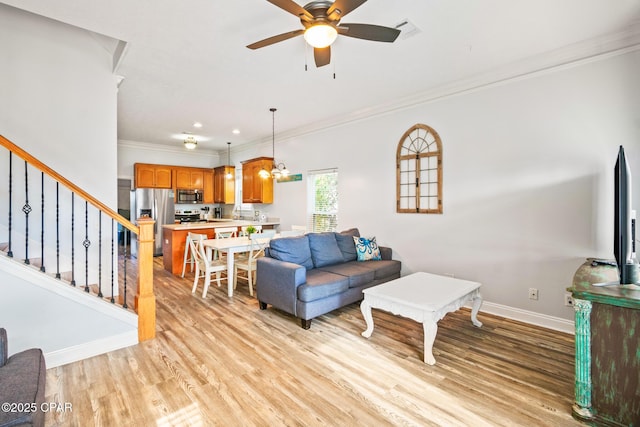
<point>223,187</point>
<point>254,188</point>
<point>189,178</point>
<point>152,176</point>
<point>207,186</point>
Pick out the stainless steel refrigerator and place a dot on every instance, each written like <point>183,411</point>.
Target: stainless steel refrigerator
<point>157,204</point>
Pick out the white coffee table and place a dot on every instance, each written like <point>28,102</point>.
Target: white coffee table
<point>425,298</point>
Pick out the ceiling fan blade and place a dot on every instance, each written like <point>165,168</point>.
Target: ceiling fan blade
<point>340,8</point>
<point>322,55</point>
<point>291,7</point>
<point>275,39</point>
<point>369,32</point>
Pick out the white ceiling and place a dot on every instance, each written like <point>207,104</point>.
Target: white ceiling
<point>186,61</point>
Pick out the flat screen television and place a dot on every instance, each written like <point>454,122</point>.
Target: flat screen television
<point>624,228</point>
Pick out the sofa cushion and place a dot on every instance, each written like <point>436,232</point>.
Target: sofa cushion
<point>357,273</point>
<point>321,284</point>
<point>346,244</point>
<point>324,249</point>
<point>366,249</point>
<point>4,349</point>
<point>383,268</point>
<point>292,249</point>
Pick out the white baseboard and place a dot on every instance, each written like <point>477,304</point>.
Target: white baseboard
<point>538,319</point>
<point>90,349</point>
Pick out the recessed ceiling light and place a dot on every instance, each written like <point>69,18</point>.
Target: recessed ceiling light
<point>197,125</point>
<point>235,131</point>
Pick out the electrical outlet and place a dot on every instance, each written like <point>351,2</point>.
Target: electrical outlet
<point>568,300</point>
<point>533,293</point>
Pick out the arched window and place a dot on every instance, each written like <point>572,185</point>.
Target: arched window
<point>419,171</point>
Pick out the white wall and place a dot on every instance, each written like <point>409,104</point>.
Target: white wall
<point>59,99</point>
<point>528,179</point>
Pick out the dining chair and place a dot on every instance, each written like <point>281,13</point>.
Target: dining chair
<point>188,255</point>
<point>223,233</point>
<point>204,266</point>
<point>259,242</point>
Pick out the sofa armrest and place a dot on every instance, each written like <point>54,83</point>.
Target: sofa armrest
<point>385,252</point>
<point>277,283</point>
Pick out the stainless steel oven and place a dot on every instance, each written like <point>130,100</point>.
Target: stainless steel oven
<point>189,196</point>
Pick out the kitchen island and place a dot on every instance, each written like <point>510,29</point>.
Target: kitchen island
<point>174,238</point>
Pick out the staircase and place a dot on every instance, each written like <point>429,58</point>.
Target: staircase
<point>67,285</point>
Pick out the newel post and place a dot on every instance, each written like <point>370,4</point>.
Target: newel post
<point>145,300</point>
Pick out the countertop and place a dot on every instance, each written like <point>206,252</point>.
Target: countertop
<point>216,223</point>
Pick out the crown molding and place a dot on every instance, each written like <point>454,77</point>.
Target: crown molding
<point>577,54</point>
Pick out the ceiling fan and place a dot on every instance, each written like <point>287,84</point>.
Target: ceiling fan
<point>321,22</point>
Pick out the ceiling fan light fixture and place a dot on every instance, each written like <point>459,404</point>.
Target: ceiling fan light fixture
<point>190,143</point>
<point>320,35</point>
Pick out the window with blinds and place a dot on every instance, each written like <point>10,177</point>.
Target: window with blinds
<point>419,171</point>
<point>322,200</point>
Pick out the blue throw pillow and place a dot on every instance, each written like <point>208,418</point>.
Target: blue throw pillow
<point>292,249</point>
<point>324,249</point>
<point>367,249</point>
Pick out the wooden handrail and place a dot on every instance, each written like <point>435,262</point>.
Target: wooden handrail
<point>55,175</point>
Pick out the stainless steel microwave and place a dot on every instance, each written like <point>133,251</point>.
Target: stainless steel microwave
<point>189,196</point>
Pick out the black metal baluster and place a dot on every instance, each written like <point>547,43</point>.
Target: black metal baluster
<point>42,223</point>
<point>113,267</point>
<point>100,254</point>
<point>9,251</point>
<point>73,252</point>
<point>124,305</point>
<point>86,243</point>
<point>26,209</point>
<point>57,230</point>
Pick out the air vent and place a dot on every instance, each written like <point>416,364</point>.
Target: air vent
<point>407,29</point>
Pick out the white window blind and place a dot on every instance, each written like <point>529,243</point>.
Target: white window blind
<point>323,200</point>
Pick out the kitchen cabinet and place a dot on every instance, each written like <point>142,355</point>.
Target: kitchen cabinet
<point>189,178</point>
<point>207,186</point>
<point>152,176</point>
<point>254,188</point>
<point>223,187</point>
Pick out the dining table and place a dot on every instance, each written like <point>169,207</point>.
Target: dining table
<point>230,246</point>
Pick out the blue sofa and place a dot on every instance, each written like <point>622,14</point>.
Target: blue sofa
<point>22,384</point>
<point>311,275</point>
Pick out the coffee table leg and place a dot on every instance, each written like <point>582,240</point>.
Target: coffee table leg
<point>477,302</point>
<point>430,331</point>
<point>365,308</point>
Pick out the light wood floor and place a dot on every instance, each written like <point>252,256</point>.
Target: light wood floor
<point>222,361</point>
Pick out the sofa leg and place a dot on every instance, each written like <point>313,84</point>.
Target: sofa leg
<point>305,323</point>
<point>263,305</point>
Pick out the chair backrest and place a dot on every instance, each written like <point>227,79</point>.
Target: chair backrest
<point>259,241</point>
<point>225,232</point>
<point>197,248</point>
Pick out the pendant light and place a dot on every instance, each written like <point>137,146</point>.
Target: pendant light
<point>278,169</point>
<point>229,175</point>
